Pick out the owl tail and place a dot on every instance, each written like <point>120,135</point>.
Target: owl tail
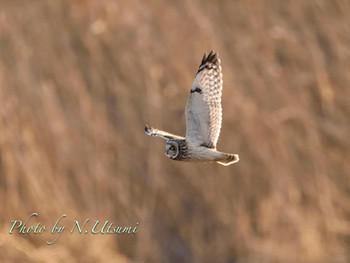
<point>228,159</point>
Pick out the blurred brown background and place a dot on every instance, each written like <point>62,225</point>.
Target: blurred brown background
<point>78,81</point>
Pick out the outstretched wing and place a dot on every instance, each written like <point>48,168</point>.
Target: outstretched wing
<point>203,109</point>
<point>162,134</point>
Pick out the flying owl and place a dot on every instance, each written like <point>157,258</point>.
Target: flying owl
<point>203,119</point>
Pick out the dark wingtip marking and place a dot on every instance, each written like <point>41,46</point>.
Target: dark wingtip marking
<point>212,58</point>
<point>196,90</point>
<point>204,58</point>
<point>148,129</point>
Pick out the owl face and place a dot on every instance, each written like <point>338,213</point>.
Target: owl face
<point>171,149</point>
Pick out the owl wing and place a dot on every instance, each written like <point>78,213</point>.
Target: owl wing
<point>203,110</point>
<point>162,134</point>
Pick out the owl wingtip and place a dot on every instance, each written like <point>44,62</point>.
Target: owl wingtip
<point>213,57</point>
<point>211,53</point>
<point>147,129</point>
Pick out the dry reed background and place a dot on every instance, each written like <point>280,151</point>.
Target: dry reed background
<point>78,81</point>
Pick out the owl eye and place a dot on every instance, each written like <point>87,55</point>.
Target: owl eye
<point>172,148</point>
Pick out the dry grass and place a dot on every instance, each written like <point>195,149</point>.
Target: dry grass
<point>78,81</point>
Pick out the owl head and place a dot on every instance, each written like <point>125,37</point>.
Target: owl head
<point>172,149</point>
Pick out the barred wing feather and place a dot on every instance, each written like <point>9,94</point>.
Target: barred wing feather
<point>203,109</point>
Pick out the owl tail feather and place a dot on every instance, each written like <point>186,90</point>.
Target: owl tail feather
<point>229,159</point>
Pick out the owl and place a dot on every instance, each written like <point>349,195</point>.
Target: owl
<point>203,119</point>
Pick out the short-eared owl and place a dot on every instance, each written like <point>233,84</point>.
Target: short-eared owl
<point>203,119</point>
